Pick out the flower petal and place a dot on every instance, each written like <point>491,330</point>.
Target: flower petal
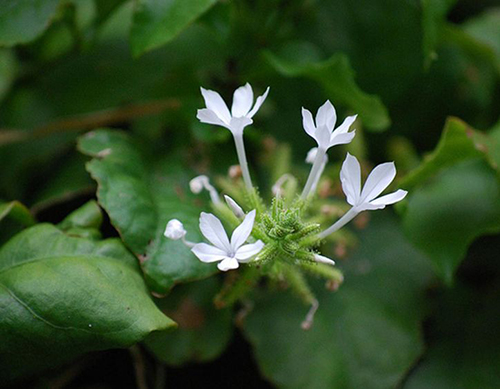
<point>247,251</point>
<point>350,177</point>
<point>326,116</point>
<point>208,253</point>
<point>242,101</point>
<point>341,139</point>
<point>208,116</point>
<point>308,123</point>
<point>233,205</point>
<point>378,180</point>
<point>258,103</point>
<point>215,103</point>
<point>228,264</point>
<point>212,229</point>
<point>390,198</point>
<point>242,232</point>
<point>323,137</point>
<point>346,124</point>
<point>237,125</point>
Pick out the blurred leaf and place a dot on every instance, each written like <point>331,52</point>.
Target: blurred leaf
<point>140,200</point>
<point>63,296</point>
<point>458,143</point>
<point>366,335</point>
<point>8,68</point>
<point>156,22</point>
<point>454,197</point>
<point>336,77</point>
<point>21,21</point>
<point>433,17</point>
<point>484,28</point>
<point>88,215</point>
<point>203,331</point>
<point>464,351</point>
<point>17,211</point>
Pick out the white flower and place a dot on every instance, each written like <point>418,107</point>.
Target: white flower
<point>175,230</point>
<point>237,210</point>
<point>323,130</point>
<point>230,253</point>
<point>378,180</point>
<point>241,113</point>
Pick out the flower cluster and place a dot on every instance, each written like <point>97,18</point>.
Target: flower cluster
<point>280,242</point>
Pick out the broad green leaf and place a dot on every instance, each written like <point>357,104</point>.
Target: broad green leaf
<point>336,77</point>
<point>157,22</point>
<point>454,197</point>
<point>433,18</point>
<point>484,28</point>
<point>444,215</point>
<point>464,349</point>
<point>16,211</point>
<point>458,143</point>
<point>140,200</point>
<point>365,335</point>
<point>62,296</point>
<point>21,21</point>
<point>87,216</point>
<point>203,331</point>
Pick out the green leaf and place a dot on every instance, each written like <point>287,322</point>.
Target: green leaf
<point>458,142</point>
<point>484,28</point>
<point>433,18</point>
<point>140,200</point>
<point>62,296</point>
<point>464,350</point>
<point>8,68</point>
<point>21,21</point>
<point>448,212</point>
<point>87,216</point>
<point>336,77</point>
<point>16,211</point>
<point>366,335</point>
<point>203,331</point>
<point>156,22</point>
<point>454,197</point>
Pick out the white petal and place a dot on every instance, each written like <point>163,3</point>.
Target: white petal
<point>237,125</point>
<point>378,180</point>
<point>212,229</point>
<point>228,264</point>
<point>346,124</point>
<point>323,137</point>
<point>242,101</point>
<point>249,250</point>
<point>208,253</point>
<point>322,259</point>
<point>174,230</point>
<point>308,123</point>
<point>341,139</point>
<point>350,177</point>
<point>258,103</point>
<point>242,232</point>
<point>326,116</point>
<point>215,103</point>
<point>237,210</point>
<point>390,198</point>
<point>208,116</point>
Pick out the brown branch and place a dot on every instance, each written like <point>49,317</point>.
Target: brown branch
<point>90,120</point>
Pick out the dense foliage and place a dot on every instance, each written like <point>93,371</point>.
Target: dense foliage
<point>99,139</point>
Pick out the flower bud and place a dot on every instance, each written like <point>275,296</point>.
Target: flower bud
<point>175,230</point>
<point>197,184</point>
<point>237,210</point>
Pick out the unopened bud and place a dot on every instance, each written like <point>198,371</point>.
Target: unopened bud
<point>175,230</point>
<point>237,210</point>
